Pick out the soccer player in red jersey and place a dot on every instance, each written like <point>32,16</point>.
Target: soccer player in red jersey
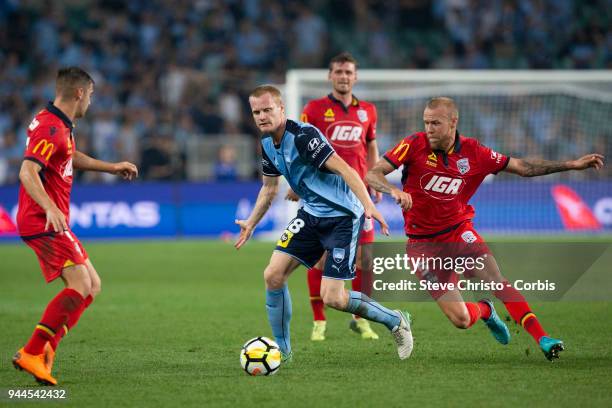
<point>350,126</point>
<point>441,171</point>
<point>43,217</point>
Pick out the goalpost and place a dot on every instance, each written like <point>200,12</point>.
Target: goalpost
<point>555,115</point>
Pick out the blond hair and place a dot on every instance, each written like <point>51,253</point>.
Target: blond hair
<point>267,89</point>
<point>445,101</point>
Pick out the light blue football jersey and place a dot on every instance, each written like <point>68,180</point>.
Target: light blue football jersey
<point>300,158</point>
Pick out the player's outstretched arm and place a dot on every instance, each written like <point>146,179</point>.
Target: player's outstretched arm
<point>266,195</point>
<point>124,169</point>
<point>376,179</point>
<point>349,175</point>
<point>30,179</point>
<point>538,167</point>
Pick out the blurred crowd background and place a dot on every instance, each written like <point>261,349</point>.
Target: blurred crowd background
<point>169,72</point>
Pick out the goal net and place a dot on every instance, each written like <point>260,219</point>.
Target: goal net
<point>555,115</point>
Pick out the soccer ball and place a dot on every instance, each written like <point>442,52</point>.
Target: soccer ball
<point>260,356</point>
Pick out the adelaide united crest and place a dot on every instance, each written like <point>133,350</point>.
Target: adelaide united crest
<point>463,165</point>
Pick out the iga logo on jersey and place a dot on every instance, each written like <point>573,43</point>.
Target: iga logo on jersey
<point>345,133</point>
<point>441,187</point>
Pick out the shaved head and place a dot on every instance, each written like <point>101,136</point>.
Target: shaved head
<point>445,102</point>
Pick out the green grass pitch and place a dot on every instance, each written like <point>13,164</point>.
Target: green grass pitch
<point>168,327</point>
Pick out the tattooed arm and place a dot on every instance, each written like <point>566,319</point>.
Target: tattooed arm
<point>376,179</point>
<point>538,167</point>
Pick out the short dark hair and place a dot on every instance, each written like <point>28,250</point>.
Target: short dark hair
<point>267,89</point>
<point>341,58</point>
<point>70,78</point>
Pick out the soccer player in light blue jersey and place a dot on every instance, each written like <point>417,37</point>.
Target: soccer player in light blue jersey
<point>336,203</point>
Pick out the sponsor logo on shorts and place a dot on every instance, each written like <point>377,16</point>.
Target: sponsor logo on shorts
<point>338,254</point>
<point>368,224</point>
<point>469,237</point>
<point>284,239</point>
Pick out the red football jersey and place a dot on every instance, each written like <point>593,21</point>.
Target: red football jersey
<point>441,184</point>
<point>348,129</point>
<point>50,143</point>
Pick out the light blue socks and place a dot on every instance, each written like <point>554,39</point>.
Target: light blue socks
<point>278,306</point>
<point>361,305</point>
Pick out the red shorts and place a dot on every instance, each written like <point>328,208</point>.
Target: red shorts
<point>459,251</point>
<point>56,252</point>
<point>367,232</point>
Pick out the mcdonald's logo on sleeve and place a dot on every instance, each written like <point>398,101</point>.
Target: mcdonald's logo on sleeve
<point>401,150</point>
<point>45,147</point>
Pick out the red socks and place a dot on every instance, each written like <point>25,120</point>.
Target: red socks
<point>477,311</point>
<point>485,310</point>
<point>361,283</point>
<point>59,312</point>
<point>521,313</point>
<point>314,287</point>
<point>72,321</point>
<point>473,311</point>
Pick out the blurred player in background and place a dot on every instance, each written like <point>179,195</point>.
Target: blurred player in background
<point>43,217</point>
<point>335,204</point>
<point>350,126</point>
<point>441,171</point>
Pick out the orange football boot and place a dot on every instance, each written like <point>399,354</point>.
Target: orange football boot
<point>49,354</point>
<point>35,365</point>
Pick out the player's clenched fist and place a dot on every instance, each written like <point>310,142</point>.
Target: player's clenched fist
<point>126,170</point>
<point>246,230</point>
<point>402,198</point>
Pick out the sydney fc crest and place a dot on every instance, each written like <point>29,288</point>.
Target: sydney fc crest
<point>463,165</point>
<point>338,254</point>
<point>362,115</point>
